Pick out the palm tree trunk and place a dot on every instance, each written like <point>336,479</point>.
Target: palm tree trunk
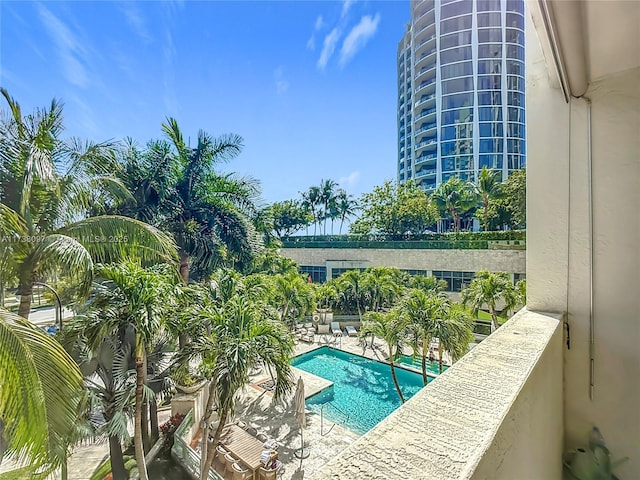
<point>425,347</point>
<point>184,267</point>
<point>439,357</point>
<point>144,425</point>
<point>486,215</point>
<point>341,222</point>
<point>146,440</point>
<point>26,295</point>
<point>118,471</point>
<point>212,446</point>
<point>153,417</point>
<point>137,427</point>
<point>494,319</point>
<point>205,430</point>
<point>393,375</point>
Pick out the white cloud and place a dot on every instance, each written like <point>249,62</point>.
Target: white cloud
<point>136,21</point>
<point>311,43</point>
<point>282,85</point>
<point>350,180</point>
<point>358,37</point>
<point>328,47</point>
<point>71,51</point>
<point>346,5</point>
<point>319,22</point>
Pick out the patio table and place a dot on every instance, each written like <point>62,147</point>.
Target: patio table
<point>244,446</point>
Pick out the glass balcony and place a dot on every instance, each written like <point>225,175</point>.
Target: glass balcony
<point>427,143</point>
<point>426,113</point>
<point>424,100</point>
<point>431,126</point>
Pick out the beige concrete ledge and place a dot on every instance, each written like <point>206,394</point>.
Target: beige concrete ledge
<point>496,414</point>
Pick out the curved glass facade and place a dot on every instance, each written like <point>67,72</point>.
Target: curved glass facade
<point>462,61</point>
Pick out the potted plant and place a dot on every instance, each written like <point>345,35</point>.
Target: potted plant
<point>187,382</point>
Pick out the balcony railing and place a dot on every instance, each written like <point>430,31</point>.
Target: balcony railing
<point>426,158</point>
<point>426,113</point>
<point>423,85</point>
<point>426,143</point>
<point>496,413</point>
<point>424,100</point>
<point>431,126</point>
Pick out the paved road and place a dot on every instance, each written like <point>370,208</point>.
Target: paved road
<point>47,316</point>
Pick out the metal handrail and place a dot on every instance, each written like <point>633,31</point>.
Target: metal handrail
<point>334,423</point>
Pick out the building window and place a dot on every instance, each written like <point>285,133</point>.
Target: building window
<point>336,272</point>
<point>318,274</point>
<point>456,281</point>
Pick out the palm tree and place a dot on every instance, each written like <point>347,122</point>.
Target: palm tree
<point>420,309</point>
<point>391,328</point>
<point>327,198</point>
<point>350,285</point>
<point>241,338</point>
<point>311,199</point>
<point>488,289</point>
<point>109,387</point>
<point>453,327</point>
<point>346,207</point>
<point>41,206</point>
<point>41,394</point>
<point>381,286</point>
<point>487,189</point>
<point>134,303</point>
<point>292,295</point>
<point>209,214</point>
<point>456,198</point>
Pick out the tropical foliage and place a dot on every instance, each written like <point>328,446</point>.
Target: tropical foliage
<point>41,395</point>
<point>490,290</point>
<point>42,209</point>
<point>454,198</point>
<point>395,209</point>
<point>390,328</point>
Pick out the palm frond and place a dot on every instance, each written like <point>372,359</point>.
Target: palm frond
<point>111,238</point>
<point>11,223</point>
<point>41,392</point>
<point>60,253</point>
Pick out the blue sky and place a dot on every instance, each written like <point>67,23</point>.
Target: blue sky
<point>310,86</point>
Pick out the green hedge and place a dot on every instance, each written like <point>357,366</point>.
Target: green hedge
<point>435,241</point>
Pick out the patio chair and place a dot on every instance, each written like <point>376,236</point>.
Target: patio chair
<point>240,472</point>
<point>309,338</point>
<point>267,474</point>
<point>252,431</point>
<point>220,461</point>
<point>262,437</point>
<point>229,465</point>
<point>335,329</point>
<point>242,424</point>
<point>351,331</point>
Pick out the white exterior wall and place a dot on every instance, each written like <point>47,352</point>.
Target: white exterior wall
<point>512,261</point>
<point>496,414</point>
<point>558,247</point>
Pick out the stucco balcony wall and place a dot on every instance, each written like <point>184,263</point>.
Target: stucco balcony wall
<point>496,414</point>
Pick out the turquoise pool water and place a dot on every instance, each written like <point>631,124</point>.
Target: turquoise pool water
<point>362,394</point>
<point>416,362</point>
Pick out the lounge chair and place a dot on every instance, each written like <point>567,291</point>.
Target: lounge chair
<point>351,331</point>
<point>309,337</point>
<point>335,329</point>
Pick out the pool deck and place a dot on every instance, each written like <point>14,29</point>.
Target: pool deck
<point>276,419</point>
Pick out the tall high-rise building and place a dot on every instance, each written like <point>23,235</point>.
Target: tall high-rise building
<point>461,90</point>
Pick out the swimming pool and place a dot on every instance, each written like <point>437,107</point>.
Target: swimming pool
<point>362,394</point>
<point>416,362</point>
